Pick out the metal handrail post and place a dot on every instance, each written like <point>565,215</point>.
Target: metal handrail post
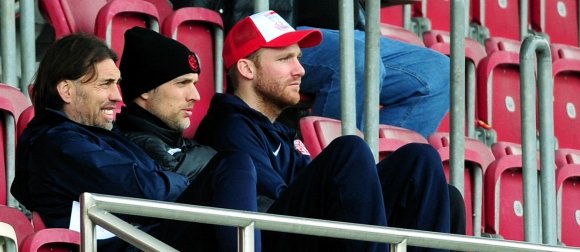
<point>28,47</point>
<point>538,47</point>
<point>246,238</point>
<point>347,65</point>
<point>261,5</point>
<point>8,43</point>
<point>457,108</point>
<point>218,59</point>
<point>523,19</point>
<point>372,74</point>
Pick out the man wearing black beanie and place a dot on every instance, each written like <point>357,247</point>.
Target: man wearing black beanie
<point>158,87</point>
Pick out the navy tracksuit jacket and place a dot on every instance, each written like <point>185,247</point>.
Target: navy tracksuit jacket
<point>407,189</point>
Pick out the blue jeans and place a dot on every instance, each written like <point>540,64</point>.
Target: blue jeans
<point>414,88</point>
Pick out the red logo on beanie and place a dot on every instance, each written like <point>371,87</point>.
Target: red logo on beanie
<point>193,63</point>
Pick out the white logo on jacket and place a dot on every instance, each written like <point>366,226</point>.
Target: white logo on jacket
<point>277,150</point>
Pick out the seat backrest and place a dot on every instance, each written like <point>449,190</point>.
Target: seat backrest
<point>400,34</point>
<point>318,132</point>
<point>558,19</point>
<point>12,102</point>
<point>52,239</point>
<point>392,15</point>
<point>164,8</point>
<point>81,15</point>
<point>477,155</point>
<point>195,28</point>
<point>53,12</point>
<point>568,192</point>
<point>18,220</point>
<point>566,72</point>
<point>117,16</point>
<point>498,89</point>
<point>437,11</point>
<point>502,18</point>
<point>24,119</point>
<point>8,240</point>
<point>392,138</point>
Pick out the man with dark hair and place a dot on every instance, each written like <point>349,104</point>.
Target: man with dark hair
<point>159,75</point>
<point>71,146</point>
<point>343,183</point>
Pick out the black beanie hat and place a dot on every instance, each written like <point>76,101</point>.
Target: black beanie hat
<point>151,59</point>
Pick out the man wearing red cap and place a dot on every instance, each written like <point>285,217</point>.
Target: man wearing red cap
<point>343,183</point>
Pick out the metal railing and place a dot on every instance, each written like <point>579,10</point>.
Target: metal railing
<point>97,210</point>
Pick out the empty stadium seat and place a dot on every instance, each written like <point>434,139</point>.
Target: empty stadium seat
<point>117,16</point>
<point>18,221</point>
<point>441,41</point>
<point>503,190</point>
<point>392,15</point>
<point>12,103</point>
<point>556,18</point>
<point>52,239</point>
<point>164,8</point>
<point>318,132</point>
<point>477,158</point>
<point>400,34</point>
<point>568,193</point>
<point>392,137</point>
<point>566,72</point>
<point>498,89</point>
<point>8,240</point>
<point>53,12</point>
<point>196,29</point>
<point>502,18</point>
<point>25,117</point>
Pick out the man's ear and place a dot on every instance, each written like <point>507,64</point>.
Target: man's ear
<point>144,96</point>
<point>65,90</point>
<point>246,68</point>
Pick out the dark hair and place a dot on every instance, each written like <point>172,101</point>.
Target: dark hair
<point>69,58</point>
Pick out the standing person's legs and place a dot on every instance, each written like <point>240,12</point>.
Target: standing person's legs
<point>415,86</point>
<point>228,181</point>
<point>415,190</point>
<point>340,184</point>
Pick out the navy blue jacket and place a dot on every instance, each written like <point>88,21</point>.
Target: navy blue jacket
<point>58,159</point>
<point>278,156</point>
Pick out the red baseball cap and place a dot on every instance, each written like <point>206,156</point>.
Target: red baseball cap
<point>264,29</point>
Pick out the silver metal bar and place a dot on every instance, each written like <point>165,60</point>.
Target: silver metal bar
<point>28,47</point>
<point>216,216</point>
<point>457,108</point>
<point>347,65</point>
<point>8,43</point>
<point>536,47</point>
<point>372,75</point>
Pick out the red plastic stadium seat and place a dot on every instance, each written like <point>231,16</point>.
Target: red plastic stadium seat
<point>318,132</point>
<point>392,137</point>
<point>566,72</point>
<point>24,119</point>
<point>17,220</point>
<point>503,190</point>
<point>400,34</point>
<point>117,16</point>
<point>164,8</point>
<point>441,41</point>
<point>392,15</point>
<point>196,29</point>
<point>502,18</point>
<point>498,89</point>
<point>53,12</point>
<point>558,19</point>
<point>568,193</point>
<point>477,158</point>
<point>53,240</point>
<point>12,102</point>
